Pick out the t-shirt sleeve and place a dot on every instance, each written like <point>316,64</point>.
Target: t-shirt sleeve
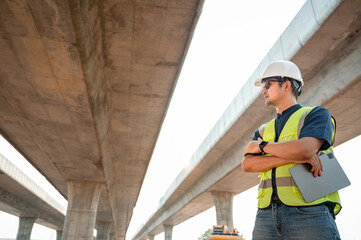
<point>256,135</point>
<point>318,124</point>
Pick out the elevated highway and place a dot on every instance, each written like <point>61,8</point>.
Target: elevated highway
<point>22,197</point>
<point>84,89</point>
<point>324,41</point>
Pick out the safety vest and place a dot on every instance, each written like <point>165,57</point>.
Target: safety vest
<point>287,189</point>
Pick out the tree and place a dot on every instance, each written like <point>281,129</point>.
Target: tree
<point>205,235</point>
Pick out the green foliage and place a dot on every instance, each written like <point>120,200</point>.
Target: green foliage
<point>205,235</point>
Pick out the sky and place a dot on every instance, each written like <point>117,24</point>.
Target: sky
<point>230,40</point>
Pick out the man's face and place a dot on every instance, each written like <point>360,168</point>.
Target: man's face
<point>272,92</point>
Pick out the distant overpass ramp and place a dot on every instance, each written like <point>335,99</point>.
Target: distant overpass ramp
<point>22,197</point>
<point>324,41</point>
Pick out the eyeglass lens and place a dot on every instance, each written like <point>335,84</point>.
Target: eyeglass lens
<point>267,85</point>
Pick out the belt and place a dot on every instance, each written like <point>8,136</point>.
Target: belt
<point>275,199</point>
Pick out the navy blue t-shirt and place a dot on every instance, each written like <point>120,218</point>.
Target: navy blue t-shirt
<point>317,124</point>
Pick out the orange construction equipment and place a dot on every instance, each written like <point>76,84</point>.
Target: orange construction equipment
<point>220,232</point>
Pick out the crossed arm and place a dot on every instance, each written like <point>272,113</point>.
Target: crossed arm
<point>298,151</point>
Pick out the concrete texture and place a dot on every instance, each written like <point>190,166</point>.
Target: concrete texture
<point>324,41</point>
<point>112,236</point>
<point>82,209</point>
<point>85,86</point>
<point>20,196</point>
<point>25,226</point>
<point>223,201</point>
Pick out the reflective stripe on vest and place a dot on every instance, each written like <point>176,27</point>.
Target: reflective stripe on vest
<point>281,182</point>
<point>287,189</point>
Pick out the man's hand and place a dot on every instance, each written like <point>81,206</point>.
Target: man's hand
<point>316,164</point>
<point>253,147</point>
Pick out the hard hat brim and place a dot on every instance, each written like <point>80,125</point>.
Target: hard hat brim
<point>258,82</point>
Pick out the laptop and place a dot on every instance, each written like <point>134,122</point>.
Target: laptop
<point>333,178</point>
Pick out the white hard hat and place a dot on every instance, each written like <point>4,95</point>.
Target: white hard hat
<point>282,68</point>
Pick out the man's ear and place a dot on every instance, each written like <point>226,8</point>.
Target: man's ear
<point>288,86</point>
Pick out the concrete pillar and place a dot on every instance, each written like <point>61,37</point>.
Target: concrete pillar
<point>151,237</point>
<point>82,209</point>
<point>168,232</point>
<point>223,202</point>
<point>25,226</point>
<point>59,234</point>
<point>112,236</point>
<point>103,230</point>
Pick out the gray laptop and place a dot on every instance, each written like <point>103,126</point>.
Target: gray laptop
<point>333,178</point>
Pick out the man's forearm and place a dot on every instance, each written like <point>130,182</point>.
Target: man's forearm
<point>262,163</point>
<point>297,151</point>
<point>301,149</point>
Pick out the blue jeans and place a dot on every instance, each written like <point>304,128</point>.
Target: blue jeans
<point>301,223</point>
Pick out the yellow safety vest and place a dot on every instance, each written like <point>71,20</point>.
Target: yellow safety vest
<point>287,190</point>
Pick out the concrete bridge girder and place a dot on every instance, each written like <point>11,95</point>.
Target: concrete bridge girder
<point>85,86</point>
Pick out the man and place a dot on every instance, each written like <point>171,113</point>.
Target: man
<point>296,135</point>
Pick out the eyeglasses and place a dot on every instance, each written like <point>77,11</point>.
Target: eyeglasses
<point>267,84</point>
<point>296,85</point>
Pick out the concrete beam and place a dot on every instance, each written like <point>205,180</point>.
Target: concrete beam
<point>85,87</point>
<point>223,201</point>
<point>129,77</point>
<point>25,227</point>
<point>82,209</point>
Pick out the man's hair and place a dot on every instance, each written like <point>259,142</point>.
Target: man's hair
<point>296,86</point>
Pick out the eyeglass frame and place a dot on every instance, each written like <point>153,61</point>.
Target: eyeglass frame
<point>298,87</point>
<point>271,79</point>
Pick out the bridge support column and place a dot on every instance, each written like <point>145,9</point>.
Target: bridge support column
<point>59,234</point>
<point>82,208</point>
<point>168,229</point>
<point>151,237</point>
<point>223,202</point>
<point>25,227</point>
<point>103,230</point>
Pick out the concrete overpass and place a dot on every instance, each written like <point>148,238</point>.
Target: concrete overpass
<point>324,41</point>
<point>22,197</point>
<point>84,89</point>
